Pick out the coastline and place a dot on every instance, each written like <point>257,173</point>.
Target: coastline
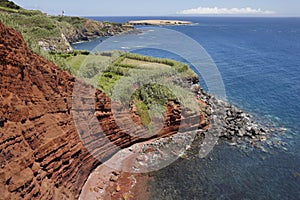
<point>233,126</point>
<point>83,39</point>
<point>128,180</point>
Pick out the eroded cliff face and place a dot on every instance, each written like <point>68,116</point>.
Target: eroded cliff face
<point>42,155</point>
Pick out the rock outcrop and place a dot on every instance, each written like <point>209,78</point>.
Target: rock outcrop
<point>93,29</point>
<point>42,155</point>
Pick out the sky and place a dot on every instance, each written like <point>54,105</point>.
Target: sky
<point>165,7</point>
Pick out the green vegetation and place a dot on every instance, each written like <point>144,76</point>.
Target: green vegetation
<point>146,82</point>
<point>142,110</point>
<point>37,27</point>
<point>107,80</point>
<point>47,34</point>
<point>9,4</point>
<point>137,61</point>
<point>106,68</point>
<point>154,94</point>
<point>76,22</point>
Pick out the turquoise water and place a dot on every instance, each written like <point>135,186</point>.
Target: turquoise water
<point>259,61</point>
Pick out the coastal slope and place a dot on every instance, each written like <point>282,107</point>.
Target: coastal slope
<point>42,155</point>
<point>56,33</point>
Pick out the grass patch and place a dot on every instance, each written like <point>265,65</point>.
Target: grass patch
<point>107,81</point>
<point>76,61</point>
<point>142,64</point>
<point>143,112</point>
<point>88,66</point>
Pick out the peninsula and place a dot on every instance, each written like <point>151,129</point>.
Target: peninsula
<point>159,22</point>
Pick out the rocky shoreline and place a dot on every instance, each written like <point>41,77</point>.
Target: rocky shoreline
<point>111,30</point>
<point>123,181</point>
<point>233,123</point>
<point>87,34</point>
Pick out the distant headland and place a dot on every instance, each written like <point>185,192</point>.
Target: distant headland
<point>159,22</point>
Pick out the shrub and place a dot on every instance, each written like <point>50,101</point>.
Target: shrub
<point>9,4</point>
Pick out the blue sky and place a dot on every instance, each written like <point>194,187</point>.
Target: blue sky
<point>165,7</point>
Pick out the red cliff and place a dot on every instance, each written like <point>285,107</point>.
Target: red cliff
<point>42,155</point>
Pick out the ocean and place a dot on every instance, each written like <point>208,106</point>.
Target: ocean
<point>259,62</point>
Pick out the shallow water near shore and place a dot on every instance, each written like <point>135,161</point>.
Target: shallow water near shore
<point>229,173</point>
<point>259,60</point>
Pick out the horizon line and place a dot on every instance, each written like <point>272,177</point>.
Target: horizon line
<point>213,16</point>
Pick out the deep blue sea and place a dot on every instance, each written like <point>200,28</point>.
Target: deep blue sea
<point>259,61</point>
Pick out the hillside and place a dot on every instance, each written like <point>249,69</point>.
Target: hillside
<point>55,33</point>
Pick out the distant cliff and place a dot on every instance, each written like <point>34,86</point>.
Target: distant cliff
<point>55,33</point>
<point>41,154</point>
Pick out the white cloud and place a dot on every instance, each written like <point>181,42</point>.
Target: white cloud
<point>224,11</point>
